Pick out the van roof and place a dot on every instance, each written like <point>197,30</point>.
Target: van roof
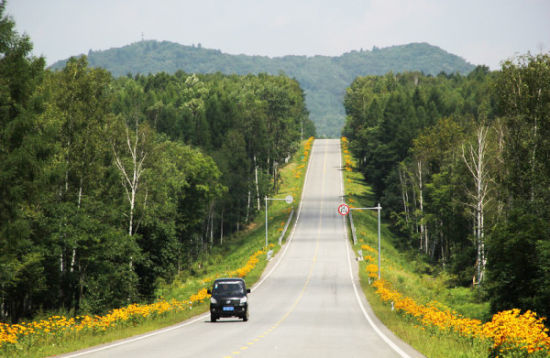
<point>229,279</point>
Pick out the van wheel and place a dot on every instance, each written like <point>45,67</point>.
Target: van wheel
<point>213,318</point>
<point>245,316</point>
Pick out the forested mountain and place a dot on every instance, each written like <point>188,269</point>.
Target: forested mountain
<point>323,78</point>
<point>461,166</point>
<point>109,185</point>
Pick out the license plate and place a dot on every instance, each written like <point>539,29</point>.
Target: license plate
<point>229,308</point>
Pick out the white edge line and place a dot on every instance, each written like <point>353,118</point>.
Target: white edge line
<point>369,319</point>
<point>130,340</point>
<point>204,316</point>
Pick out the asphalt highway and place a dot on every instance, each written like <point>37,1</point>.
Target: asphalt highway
<point>307,304</point>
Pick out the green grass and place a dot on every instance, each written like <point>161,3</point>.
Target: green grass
<point>407,274</point>
<point>234,254</point>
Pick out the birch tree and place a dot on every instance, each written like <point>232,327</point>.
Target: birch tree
<point>475,156</point>
<point>419,179</point>
<point>403,181</point>
<point>130,155</point>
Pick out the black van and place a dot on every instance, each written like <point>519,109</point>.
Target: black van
<point>229,299</point>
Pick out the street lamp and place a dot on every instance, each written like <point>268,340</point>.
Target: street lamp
<point>288,199</point>
<point>377,208</point>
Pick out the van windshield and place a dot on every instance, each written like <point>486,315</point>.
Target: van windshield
<point>228,288</point>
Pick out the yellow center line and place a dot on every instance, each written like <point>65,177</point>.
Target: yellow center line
<point>310,273</point>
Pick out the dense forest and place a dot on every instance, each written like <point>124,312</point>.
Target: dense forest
<point>323,78</point>
<point>108,185</point>
<point>461,166</point>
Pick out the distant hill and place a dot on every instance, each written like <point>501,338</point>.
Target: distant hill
<point>323,78</point>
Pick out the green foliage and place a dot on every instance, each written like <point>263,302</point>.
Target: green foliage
<point>460,163</point>
<point>176,208</point>
<point>411,274</point>
<point>323,78</point>
<point>516,251</point>
<point>520,245</point>
<point>110,186</point>
<point>22,153</point>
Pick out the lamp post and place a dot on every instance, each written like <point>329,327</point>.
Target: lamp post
<point>288,199</point>
<point>377,208</point>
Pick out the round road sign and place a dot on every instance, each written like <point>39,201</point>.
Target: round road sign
<point>289,199</point>
<point>343,209</point>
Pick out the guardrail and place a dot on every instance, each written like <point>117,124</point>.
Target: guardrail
<point>286,227</point>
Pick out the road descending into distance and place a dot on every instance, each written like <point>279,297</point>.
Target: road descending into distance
<point>308,303</point>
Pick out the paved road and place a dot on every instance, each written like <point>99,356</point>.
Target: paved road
<point>308,304</point>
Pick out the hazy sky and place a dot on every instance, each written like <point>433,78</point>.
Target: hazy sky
<point>480,31</point>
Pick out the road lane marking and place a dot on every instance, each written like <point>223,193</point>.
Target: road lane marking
<point>291,236</point>
<point>313,260</point>
<point>202,317</point>
<point>385,338</point>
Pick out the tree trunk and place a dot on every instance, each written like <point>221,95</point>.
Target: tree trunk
<point>212,228</point>
<point>404,194</point>
<point>79,203</point>
<point>275,177</point>
<point>221,228</point>
<point>423,229</point>
<point>207,226</point>
<point>247,208</point>
<point>131,181</point>
<point>257,184</point>
<point>415,208</point>
<point>533,160</point>
<point>476,163</point>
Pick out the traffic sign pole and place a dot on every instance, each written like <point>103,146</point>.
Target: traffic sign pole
<point>344,209</point>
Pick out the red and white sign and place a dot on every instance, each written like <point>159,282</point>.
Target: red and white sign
<point>343,209</point>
